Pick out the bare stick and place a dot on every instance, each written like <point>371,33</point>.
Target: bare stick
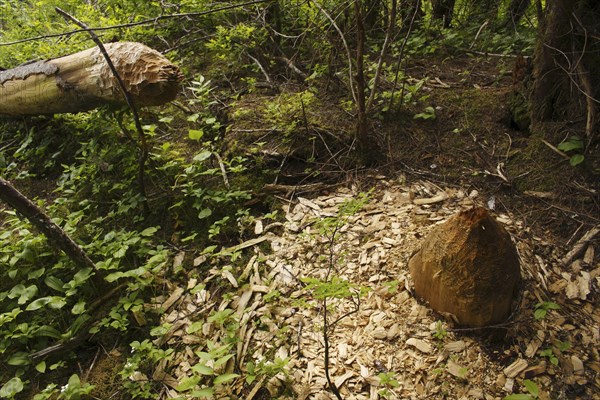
<point>384,48</point>
<point>339,31</point>
<point>580,245</point>
<point>130,104</point>
<point>412,20</point>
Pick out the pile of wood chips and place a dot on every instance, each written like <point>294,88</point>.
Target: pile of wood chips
<point>392,334</point>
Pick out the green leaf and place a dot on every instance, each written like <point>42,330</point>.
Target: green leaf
<point>47,331</point>
<point>19,359</point>
<point>11,388</point>
<point>196,134</point>
<point>540,313</point>
<point>531,387</point>
<point>203,393</point>
<point>78,308</point>
<point>576,159</point>
<point>82,275</point>
<point>74,381</point>
<point>203,369</point>
<point>195,327</point>
<point>36,274</point>
<point>41,367</point>
<point>206,212</point>
<point>224,378</point>
<point>37,304</point>
<point>149,231</point>
<point>188,383</point>
<point>571,144</point>
<point>54,283</point>
<point>27,294</point>
<point>223,360</point>
<point>56,302</point>
<point>210,120</point>
<point>203,155</point>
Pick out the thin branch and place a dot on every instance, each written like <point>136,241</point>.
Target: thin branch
<point>130,104</point>
<point>11,196</point>
<point>412,20</point>
<point>384,48</point>
<point>132,24</point>
<point>348,54</point>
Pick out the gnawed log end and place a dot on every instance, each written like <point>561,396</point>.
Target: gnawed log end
<point>83,81</point>
<point>468,267</point>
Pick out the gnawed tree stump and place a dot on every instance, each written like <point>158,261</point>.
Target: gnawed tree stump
<point>468,267</point>
<point>83,81</point>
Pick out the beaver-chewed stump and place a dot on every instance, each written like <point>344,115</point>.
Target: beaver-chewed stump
<point>468,267</point>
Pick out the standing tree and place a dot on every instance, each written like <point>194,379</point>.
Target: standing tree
<point>567,54</point>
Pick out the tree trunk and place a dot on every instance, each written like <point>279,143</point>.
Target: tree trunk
<point>83,81</point>
<point>442,10</point>
<point>516,11</point>
<point>566,86</point>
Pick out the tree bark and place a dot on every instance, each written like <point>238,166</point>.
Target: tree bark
<point>362,134</point>
<point>442,10</point>
<point>564,87</point>
<point>83,81</point>
<point>11,196</point>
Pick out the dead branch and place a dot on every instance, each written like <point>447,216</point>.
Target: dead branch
<point>38,218</point>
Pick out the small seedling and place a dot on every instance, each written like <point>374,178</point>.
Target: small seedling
<point>440,332</point>
<point>542,309</point>
<point>389,382</point>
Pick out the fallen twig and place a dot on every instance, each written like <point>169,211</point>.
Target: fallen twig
<point>581,244</point>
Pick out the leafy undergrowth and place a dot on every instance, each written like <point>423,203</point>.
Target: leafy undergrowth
<point>180,278</point>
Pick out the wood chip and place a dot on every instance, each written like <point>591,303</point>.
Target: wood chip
<point>340,380</point>
<point>588,256</point>
<point>457,370</point>
<point>515,368</point>
<point>577,365</point>
<point>535,370</point>
<point>176,295</point>
<point>420,345</point>
<point>455,347</point>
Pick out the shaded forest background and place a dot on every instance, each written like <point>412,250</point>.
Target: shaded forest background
<point>280,99</point>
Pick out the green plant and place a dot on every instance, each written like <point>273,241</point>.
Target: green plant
<point>554,351</point>
<point>389,382</point>
<point>440,332</point>
<point>208,372</point>
<point>575,145</point>
<point>532,389</point>
<point>542,309</point>
<point>265,369</point>
<point>428,113</point>
<point>391,287</point>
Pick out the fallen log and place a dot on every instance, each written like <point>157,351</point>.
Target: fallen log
<point>83,81</point>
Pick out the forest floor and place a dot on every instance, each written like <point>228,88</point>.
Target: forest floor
<point>391,345</point>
